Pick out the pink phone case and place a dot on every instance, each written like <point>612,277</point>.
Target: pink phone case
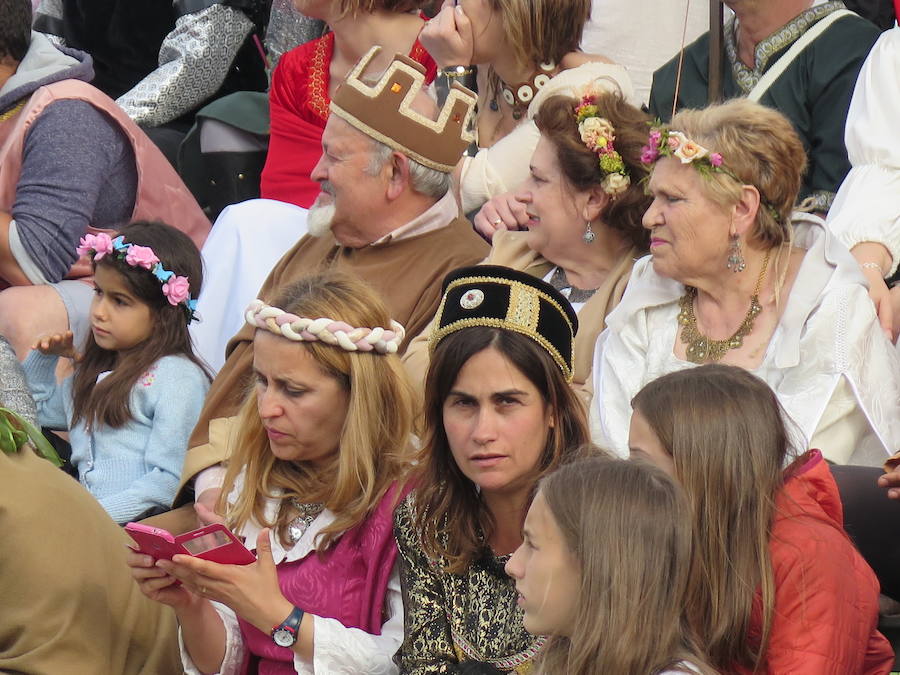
<point>214,542</point>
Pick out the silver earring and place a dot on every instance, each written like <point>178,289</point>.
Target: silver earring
<point>736,262</point>
<point>588,235</point>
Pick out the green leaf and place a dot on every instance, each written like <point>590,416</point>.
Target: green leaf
<point>16,431</point>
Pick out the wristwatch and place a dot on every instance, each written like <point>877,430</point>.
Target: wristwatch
<point>285,633</point>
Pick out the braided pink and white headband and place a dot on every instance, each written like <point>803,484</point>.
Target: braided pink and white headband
<point>329,331</point>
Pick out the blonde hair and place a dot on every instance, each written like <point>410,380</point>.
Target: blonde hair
<point>374,448</point>
<point>628,526</point>
<point>760,147</point>
<point>354,7</point>
<point>725,431</point>
<point>527,25</point>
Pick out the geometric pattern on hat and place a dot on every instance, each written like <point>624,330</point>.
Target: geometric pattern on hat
<point>500,297</point>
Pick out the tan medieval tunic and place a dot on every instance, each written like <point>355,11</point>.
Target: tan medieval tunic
<point>69,604</point>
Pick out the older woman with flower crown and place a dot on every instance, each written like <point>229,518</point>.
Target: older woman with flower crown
<point>734,277</point>
<point>584,198</point>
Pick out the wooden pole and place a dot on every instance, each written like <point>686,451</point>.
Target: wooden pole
<point>716,50</point>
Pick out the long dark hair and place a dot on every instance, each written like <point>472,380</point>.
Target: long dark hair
<point>451,518</point>
<point>108,402</point>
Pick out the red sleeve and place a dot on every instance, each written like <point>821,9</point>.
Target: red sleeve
<point>826,604</point>
<point>295,131</point>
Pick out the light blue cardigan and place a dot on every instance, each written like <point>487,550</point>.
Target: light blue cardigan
<point>137,466</point>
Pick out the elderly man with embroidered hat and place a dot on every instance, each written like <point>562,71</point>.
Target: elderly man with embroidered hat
<point>385,214</point>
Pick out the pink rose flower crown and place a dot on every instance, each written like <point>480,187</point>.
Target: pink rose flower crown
<point>664,142</point>
<point>175,288</point>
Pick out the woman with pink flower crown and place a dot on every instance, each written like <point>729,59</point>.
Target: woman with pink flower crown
<point>736,276</point>
<point>137,386</point>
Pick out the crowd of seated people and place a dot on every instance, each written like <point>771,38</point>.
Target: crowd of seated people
<point>503,374</point>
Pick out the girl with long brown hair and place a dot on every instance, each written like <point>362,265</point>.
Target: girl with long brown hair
<point>138,388</point>
<point>315,455</point>
<point>602,570</point>
<point>775,584</point>
<point>499,414</point>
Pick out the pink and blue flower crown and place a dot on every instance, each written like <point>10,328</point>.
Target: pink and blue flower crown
<point>175,288</point>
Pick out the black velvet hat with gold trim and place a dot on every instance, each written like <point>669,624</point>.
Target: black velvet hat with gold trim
<point>500,297</point>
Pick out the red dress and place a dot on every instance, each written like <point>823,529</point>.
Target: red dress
<point>298,107</point>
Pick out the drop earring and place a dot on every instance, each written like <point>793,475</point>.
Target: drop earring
<point>588,236</point>
<point>736,262</point>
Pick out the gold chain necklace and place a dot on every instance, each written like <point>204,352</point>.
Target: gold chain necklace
<point>702,349</point>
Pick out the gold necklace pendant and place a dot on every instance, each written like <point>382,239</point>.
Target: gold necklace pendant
<point>703,349</point>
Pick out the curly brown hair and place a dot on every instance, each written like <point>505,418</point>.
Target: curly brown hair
<point>556,121</point>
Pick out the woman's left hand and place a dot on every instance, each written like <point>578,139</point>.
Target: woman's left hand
<point>448,37</point>
<point>252,591</point>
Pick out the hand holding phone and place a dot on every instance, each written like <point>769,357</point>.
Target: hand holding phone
<point>214,542</point>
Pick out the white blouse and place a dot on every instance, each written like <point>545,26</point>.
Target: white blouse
<point>828,360</point>
<point>867,205</point>
<point>337,650</point>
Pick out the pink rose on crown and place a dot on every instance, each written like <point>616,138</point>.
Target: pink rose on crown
<point>141,256</point>
<point>177,289</point>
<point>100,244</point>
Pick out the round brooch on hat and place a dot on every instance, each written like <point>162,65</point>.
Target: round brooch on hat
<point>471,299</point>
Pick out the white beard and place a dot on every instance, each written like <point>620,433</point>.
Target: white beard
<point>318,220</point>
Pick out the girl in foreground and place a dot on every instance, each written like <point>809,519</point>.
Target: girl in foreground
<point>602,569</point>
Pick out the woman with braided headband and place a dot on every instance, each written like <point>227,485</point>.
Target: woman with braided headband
<point>316,450</point>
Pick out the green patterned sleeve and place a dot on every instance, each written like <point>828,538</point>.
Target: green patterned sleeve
<point>427,647</point>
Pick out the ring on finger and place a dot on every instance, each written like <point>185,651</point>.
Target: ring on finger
<point>498,221</point>
<point>202,590</point>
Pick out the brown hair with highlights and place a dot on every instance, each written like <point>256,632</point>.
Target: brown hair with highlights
<point>628,526</point>
<point>556,122</point>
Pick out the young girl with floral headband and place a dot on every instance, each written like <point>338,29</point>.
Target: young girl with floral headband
<point>137,388</point>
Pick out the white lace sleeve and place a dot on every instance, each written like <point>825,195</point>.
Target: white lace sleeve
<point>193,62</point>
<point>234,645</point>
<point>867,205</point>
<point>339,650</point>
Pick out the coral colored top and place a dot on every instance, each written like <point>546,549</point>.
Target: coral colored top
<point>826,596</point>
<point>298,108</point>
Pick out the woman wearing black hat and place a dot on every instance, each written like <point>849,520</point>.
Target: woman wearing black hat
<point>499,414</point>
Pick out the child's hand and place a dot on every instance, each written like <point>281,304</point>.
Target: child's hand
<point>61,344</point>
